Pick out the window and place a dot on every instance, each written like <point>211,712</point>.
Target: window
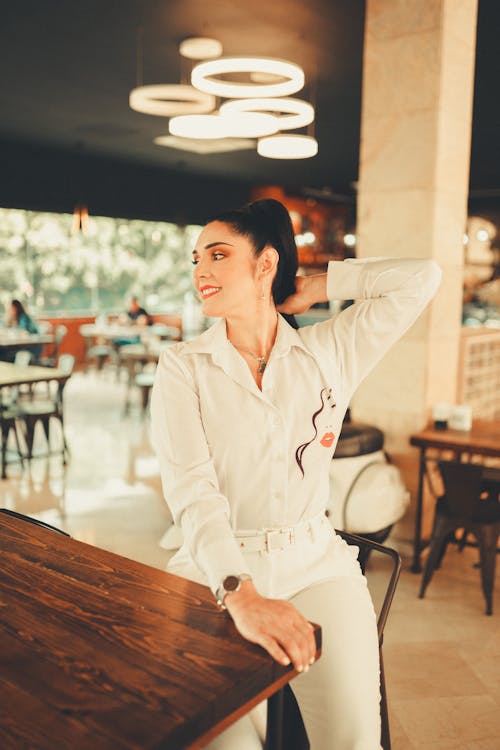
<point>53,269</point>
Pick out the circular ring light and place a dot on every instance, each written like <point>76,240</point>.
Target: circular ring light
<point>167,99</point>
<point>203,77</point>
<point>288,147</point>
<point>298,112</point>
<point>200,48</point>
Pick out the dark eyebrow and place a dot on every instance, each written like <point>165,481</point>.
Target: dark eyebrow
<point>213,244</point>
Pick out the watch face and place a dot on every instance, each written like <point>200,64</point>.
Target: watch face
<point>231,583</point>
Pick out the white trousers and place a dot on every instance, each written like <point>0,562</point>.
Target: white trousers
<point>339,697</point>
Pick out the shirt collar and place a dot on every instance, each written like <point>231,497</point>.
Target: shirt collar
<point>215,340</point>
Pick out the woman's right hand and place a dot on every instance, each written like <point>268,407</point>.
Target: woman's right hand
<point>308,291</point>
<point>274,624</point>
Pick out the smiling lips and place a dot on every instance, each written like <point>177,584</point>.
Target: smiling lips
<point>208,291</point>
<point>327,439</point>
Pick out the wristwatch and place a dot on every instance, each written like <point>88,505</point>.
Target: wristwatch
<point>229,585</point>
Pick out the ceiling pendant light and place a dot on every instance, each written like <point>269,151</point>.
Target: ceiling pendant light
<point>203,77</point>
<point>80,219</point>
<point>200,48</point>
<point>250,124</point>
<point>288,146</point>
<point>198,126</point>
<point>168,99</point>
<point>260,104</point>
<point>237,125</point>
<point>298,113</point>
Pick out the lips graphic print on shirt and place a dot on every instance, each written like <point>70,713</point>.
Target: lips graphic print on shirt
<point>327,402</point>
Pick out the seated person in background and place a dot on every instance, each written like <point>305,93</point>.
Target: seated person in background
<point>136,315</point>
<point>17,317</point>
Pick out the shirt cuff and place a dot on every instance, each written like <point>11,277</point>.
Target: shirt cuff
<point>343,279</point>
<point>220,559</point>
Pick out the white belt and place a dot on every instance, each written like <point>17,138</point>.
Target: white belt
<point>269,540</point>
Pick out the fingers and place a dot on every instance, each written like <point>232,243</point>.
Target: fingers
<point>296,641</point>
<point>274,649</point>
<point>300,645</point>
<point>279,628</point>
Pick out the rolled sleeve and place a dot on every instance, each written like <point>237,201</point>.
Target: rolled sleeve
<point>390,294</point>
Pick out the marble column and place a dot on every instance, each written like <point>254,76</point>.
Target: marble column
<point>418,74</point>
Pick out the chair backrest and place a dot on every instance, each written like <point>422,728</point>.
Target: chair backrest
<point>462,487</point>
<point>35,521</point>
<point>66,362</point>
<point>363,544</point>
<point>44,326</point>
<point>285,726</point>
<point>22,358</point>
<point>59,334</point>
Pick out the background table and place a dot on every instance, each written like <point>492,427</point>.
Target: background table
<point>18,339</point>
<point>98,651</point>
<point>483,439</point>
<point>12,375</point>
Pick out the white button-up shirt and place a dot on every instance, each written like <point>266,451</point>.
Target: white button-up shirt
<point>233,457</point>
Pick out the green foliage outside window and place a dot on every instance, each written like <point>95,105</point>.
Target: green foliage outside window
<point>55,270</point>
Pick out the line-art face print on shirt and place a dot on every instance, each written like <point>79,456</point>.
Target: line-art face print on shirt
<point>327,402</point>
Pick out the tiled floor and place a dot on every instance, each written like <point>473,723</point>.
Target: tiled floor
<point>442,654</point>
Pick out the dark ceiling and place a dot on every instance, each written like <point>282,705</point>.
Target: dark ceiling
<point>67,132</point>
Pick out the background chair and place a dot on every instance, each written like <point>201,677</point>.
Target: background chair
<point>44,327</point>
<point>471,504</point>
<point>22,358</point>
<point>285,728</point>
<point>31,412</point>
<point>8,424</point>
<point>50,361</point>
<point>99,353</point>
<point>9,396</point>
<point>35,521</point>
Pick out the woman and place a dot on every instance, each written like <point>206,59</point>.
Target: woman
<point>17,317</point>
<point>245,420</point>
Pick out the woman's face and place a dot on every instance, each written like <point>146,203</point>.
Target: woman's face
<point>225,271</point>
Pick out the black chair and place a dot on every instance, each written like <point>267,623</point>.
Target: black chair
<point>8,417</point>
<point>35,521</point>
<point>471,504</point>
<point>31,412</point>
<point>285,726</point>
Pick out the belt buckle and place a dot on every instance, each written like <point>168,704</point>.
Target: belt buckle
<point>286,536</point>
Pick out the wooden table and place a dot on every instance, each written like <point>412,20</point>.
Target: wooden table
<point>12,376</point>
<point>482,440</point>
<point>101,652</point>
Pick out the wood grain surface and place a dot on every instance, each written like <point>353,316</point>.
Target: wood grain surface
<point>98,651</point>
<point>483,438</point>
